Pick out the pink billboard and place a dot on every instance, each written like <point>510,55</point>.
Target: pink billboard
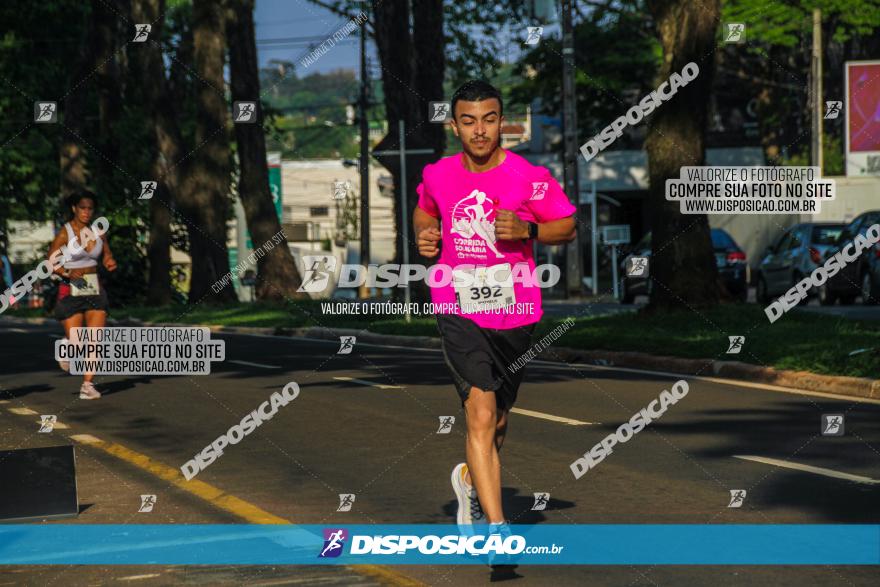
<point>862,85</point>
<point>863,106</point>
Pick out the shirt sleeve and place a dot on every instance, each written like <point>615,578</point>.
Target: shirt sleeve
<point>548,201</point>
<point>426,201</point>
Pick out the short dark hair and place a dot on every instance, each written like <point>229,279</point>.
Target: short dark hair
<point>476,90</point>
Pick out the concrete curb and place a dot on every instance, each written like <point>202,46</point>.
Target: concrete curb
<point>734,370</point>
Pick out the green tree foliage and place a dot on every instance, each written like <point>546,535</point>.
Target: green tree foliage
<point>774,63</point>
<point>616,58</point>
<point>307,116</point>
<point>35,57</point>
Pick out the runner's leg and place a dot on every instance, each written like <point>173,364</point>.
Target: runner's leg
<point>484,465</point>
<point>94,319</point>
<point>74,321</point>
<point>500,432</point>
<point>501,429</point>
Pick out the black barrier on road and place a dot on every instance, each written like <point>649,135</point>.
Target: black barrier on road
<point>37,483</point>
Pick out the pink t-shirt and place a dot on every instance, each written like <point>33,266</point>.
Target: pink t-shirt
<point>465,203</point>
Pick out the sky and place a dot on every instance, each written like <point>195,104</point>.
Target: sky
<point>291,20</point>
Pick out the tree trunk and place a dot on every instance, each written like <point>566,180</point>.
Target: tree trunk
<point>166,149</point>
<point>277,276</point>
<point>205,188</point>
<point>683,265</point>
<point>430,67</point>
<point>412,75</point>
<point>108,84</point>
<point>72,153</point>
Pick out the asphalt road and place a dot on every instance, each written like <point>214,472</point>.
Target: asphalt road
<point>366,423</point>
<point>855,311</point>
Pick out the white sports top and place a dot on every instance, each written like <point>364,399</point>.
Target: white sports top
<point>79,257</point>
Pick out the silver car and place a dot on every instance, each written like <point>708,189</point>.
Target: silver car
<point>794,255</point>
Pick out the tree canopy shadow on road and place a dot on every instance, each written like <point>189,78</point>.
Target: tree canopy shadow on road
<point>518,508</point>
<point>790,431</point>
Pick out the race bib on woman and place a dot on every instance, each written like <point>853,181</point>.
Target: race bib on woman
<point>87,285</point>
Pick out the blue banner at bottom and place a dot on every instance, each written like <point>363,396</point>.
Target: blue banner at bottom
<point>546,544</point>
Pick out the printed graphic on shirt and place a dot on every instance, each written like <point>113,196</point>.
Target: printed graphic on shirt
<point>473,221</point>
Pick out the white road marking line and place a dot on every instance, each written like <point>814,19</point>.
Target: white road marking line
<point>333,343</point>
<point>365,382</point>
<point>731,382</point>
<point>249,364</point>
<point>552,418</point>
<point>17,330</point>
<point>138,577</point>
<point>55,336</point>
<point>521,411</point>
<point>809,469</point>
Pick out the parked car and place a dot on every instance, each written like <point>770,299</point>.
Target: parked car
<point>857,278</point>
<point>793,256</point>
<point>729,257</point>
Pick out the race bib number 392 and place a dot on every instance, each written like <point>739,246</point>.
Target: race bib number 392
<point>479,289</point>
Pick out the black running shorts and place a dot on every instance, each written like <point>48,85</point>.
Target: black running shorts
<point>69,305</point>
<point>480,357</point>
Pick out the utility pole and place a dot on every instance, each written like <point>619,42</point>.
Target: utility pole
<point>364,165</point>
<point>403,152</point>
<point>816,89</point>
<point>574,267</point>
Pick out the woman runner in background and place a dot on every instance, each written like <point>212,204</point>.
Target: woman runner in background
<point>82,299</point>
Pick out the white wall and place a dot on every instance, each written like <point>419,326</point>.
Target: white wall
<point>309,183</point>
<point>28,240</point>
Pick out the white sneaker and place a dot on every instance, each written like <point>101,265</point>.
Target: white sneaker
<point>65,365</point>
<point>469,510</point>
<point>87,391</point>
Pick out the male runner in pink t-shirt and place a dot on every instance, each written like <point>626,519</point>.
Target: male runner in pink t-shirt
<point>480,210</point>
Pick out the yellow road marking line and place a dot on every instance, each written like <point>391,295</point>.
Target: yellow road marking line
<point>58,425</point>
<point>23,411</point>
<point>226,502</point>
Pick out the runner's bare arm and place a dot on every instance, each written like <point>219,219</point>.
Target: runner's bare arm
<point>54,256</point>
<point>557,232</point>
<point>427,229</point>
<point>109,261</point>
<point>508,226</point>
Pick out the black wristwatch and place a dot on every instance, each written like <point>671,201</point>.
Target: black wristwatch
<point>533,230</point>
